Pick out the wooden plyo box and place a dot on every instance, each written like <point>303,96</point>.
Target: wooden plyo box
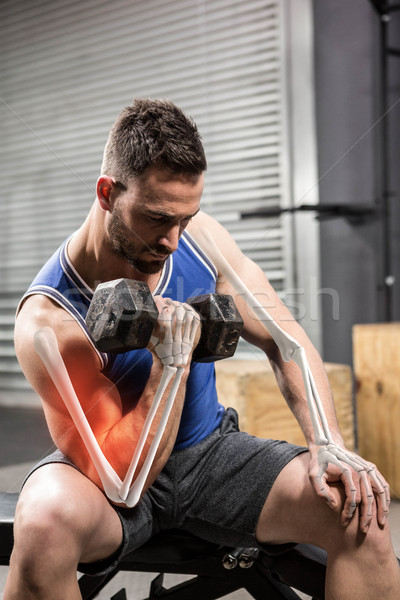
<point>250,387</point>
<point>376,350</point>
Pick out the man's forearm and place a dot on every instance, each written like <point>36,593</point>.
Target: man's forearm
<point>291,384</point>
<point>122,439</point>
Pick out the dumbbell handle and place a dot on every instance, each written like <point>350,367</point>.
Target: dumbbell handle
<point>116,323</point>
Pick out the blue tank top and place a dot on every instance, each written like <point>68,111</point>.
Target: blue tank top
<point>187,272</point>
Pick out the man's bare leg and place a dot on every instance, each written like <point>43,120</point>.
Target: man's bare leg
<point>360,567</point>
<point>62,518</point>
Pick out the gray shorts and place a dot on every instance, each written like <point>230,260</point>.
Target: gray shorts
<point>214,490</point>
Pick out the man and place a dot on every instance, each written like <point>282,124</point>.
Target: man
<point>207,477</point>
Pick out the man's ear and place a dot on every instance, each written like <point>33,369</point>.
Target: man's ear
<point>104,188</point>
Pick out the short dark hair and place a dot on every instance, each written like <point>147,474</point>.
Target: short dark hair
<point>153,133</point>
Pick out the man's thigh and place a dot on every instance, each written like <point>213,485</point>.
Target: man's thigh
<point>293,512</point>
<point>61,497</point>
<point>221,483</point>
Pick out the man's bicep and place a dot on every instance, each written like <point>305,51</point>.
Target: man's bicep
<point>97,396</point>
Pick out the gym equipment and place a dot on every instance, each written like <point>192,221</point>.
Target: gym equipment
<point>122,316</point>
<point>221,326</point>
<point>267,574</point>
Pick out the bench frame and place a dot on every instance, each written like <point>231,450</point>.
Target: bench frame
<point>270,574</point>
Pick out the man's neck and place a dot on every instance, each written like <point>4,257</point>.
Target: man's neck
<point>94,260</point>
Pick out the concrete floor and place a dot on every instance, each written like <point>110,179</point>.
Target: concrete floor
<point>24,439</point>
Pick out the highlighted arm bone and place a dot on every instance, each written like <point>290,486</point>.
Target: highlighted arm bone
<point>290,349</point>
<point>46,345</point>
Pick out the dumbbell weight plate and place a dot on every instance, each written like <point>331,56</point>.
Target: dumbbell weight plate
<point>121,316</point>
<point>221,326</point>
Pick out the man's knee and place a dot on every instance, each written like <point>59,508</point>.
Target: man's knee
<point>62,518</point>
<point>378,540</point>
<point>380,543</point>
<point>376,544</point>
<point>47,533</point>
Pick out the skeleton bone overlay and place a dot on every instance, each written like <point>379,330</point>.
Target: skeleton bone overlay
<point>46,345</point>
<point>290,349</point>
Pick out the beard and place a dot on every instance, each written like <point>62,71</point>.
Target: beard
<point>121,244</point>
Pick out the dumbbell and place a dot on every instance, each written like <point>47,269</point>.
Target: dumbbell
<point>122,316</point>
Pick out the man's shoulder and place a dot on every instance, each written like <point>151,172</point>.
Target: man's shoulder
<point>39,311</point>
<point>203,221</point>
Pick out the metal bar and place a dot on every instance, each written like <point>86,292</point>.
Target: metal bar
<point>121,595</point>
<point>91,585</point>
<point>268,587</point>
<point>384,167</point>
<point>384,8</point>
<point>380,7</point>
<point>303,568</point>
<point>385,285</point>
<point>199,588</point>
<point>322,210</point>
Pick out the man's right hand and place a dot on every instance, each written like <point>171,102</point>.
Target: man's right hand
<point>176,334</point>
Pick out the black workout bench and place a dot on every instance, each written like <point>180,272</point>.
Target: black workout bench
<point>217,571</point>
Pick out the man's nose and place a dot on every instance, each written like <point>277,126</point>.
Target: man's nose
<point>170,239</point>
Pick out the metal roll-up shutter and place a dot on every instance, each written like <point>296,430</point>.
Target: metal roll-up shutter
<point>66,70</point>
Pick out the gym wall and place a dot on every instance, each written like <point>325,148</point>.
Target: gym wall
<point>68,68</point>
<point>349,126</point>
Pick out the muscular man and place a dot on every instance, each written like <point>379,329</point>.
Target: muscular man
<point>207,476</point>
